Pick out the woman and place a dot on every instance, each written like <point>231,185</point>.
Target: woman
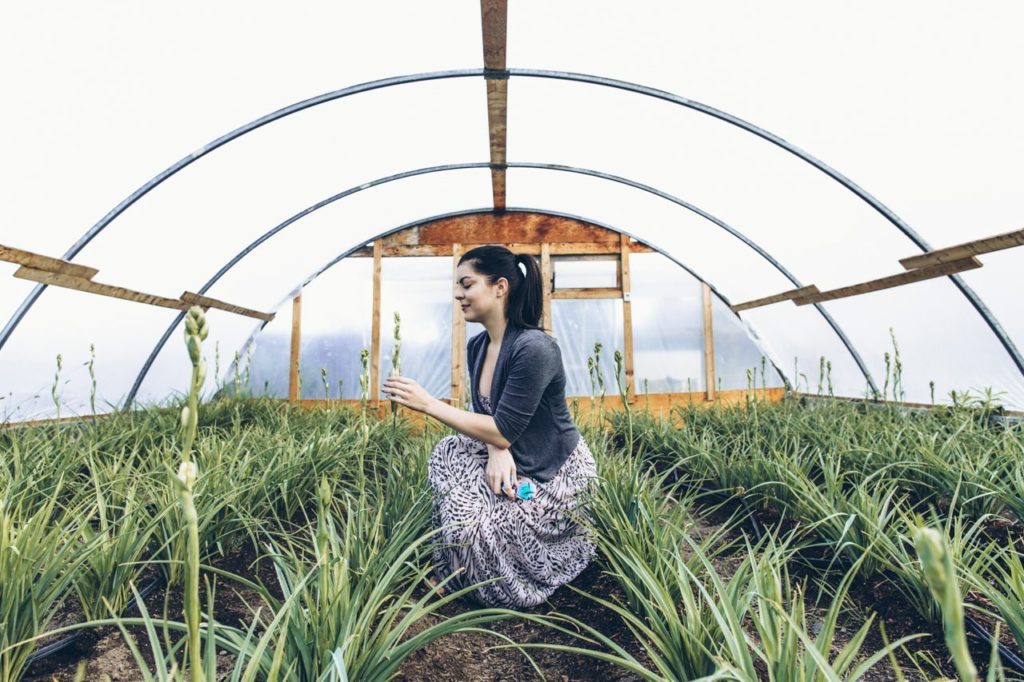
<point>520,430</point>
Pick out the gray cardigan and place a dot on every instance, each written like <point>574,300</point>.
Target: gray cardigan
<point>528,399</point>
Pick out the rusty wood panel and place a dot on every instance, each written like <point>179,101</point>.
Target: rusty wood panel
<point>374,396</point>
<point>784,296</point>
<point>709,344</point>
<point>293,366</point>
<point>928,272</point>
<point>546,284</point>
<point>626,283</point>
<point>207,302</point>
<point>87,285</point>
<point>45,263</point>
<point>595,292</point>
<point>494,24</point>
<point>404,237</point>
<point>999,242</point>
<point>497,118</point>
<point>506,228</point>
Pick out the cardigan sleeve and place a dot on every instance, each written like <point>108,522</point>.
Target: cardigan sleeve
<point>531,368</point>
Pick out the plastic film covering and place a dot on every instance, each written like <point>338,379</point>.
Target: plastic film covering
<point>269,276</point>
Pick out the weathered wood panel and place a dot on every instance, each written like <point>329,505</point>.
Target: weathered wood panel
<point>927,272</point>
<point>207,302</point>
<point>505,228</point>
<point>45,263</point>
<point>999,242</point>
<point>776,298</point>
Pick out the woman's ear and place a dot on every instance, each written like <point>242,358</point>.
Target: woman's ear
<point>501,287</point>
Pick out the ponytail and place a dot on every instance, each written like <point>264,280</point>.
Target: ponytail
<point>523,274</point>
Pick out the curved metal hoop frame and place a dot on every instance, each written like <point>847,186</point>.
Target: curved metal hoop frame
<point>888,214</point>
<point>455,214</point>
<point>532,166</point>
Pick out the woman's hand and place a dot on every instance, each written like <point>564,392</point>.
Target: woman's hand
<point>408,392</point>
<point>501,468</point>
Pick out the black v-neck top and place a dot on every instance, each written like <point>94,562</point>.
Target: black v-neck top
<point>527,399</point>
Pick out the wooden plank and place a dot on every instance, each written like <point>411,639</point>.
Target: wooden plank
<point>458,336</point>
<point>494,26</point>
<point>506,228</point>
<point>293,371</point>
<point>657,404</point>
<point>407,237</point>
<point>579,250</point>
<point>627,316</point>
<point>374,396</point>
<point>207,302</point>
<point>498,189</point>
<point>709,344</point>
<point>37,261</point>
<point>776,298</point>
<point>547,284</point>
<point>608,292</point>
<point>497,119</point>
<point>87,285</point>
<point>909,277</point>
<point>977,247</point>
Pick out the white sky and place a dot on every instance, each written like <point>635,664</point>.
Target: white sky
<point>919,102</point>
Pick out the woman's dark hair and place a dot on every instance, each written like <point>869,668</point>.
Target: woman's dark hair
<point>524,293</point>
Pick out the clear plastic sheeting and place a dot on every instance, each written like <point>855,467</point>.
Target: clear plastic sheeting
<point>267,278</point>
<point>579,325</point>
<point>668,326</point>
<point>420,290</point>
<point>739,363</point>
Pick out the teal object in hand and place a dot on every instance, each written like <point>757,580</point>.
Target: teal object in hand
<point>526,490</point>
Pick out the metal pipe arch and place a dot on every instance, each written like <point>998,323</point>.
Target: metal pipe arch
<point>454,214</point>
<point>865,196</point>
<point>479,165</point>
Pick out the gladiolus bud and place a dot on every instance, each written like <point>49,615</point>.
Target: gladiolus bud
<point>187,474</point>
<point>184,417</point>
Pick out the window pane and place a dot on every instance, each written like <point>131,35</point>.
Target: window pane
<point>578,326</point>
<point>582,274</point>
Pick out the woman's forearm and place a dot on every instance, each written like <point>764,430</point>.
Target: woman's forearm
<point>479,426</point>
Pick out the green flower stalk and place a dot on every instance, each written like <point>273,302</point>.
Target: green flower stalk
<point>327,386</point>
<point>396,356</point>
<point>92,378</point>
<point>196,332</point>
<point>937,562</point>
<point>364,380</point>
<point>621,383</point>
<point>56,385</point>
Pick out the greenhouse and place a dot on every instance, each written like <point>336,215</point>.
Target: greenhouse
<point>259,263</point>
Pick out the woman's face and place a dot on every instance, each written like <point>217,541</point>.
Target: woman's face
<point>478,297</point>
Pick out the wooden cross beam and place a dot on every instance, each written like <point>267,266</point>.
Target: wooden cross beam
<point>494,22</point>
<point>61,273</point>
<point>961,251</point>
<point>918,275</point>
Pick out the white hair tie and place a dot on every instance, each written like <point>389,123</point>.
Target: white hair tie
<point>522,268</point>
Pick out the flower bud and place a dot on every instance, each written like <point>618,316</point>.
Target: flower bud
<point>194,349</point>
<point>184,417</point>
<point>187,474</point>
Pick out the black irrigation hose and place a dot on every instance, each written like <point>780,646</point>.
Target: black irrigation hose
<point>63,643</point>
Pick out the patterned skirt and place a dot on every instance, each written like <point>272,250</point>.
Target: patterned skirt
<point>534,546</point>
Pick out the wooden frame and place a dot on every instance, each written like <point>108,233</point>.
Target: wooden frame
<point>374,396</point>
<point>294,357</point>
<point>458,337</point>
<point>709,343</point>
<point>625,282</point>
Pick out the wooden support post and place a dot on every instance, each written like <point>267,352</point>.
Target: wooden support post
<point>293,372</point>
<point>458,337</point>
<point>627,316</point>
<point>709,344</point>
<point>375,329</point>
<point>546,287</point>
